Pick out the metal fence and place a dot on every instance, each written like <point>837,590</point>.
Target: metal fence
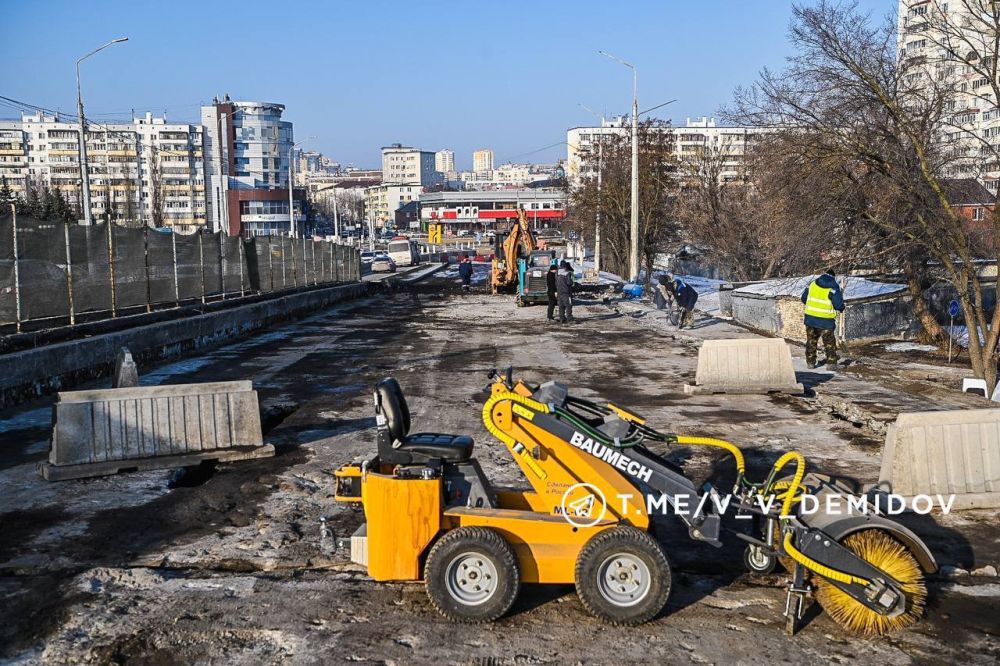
<point>56,271</point>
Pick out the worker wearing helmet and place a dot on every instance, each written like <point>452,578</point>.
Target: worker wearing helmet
<point>823,300</point>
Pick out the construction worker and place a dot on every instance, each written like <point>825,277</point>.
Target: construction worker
<point>823,300</point>
<point>550,287</point>
<point>564,291</point>
<point>683,294</point>
<point>465,272</point>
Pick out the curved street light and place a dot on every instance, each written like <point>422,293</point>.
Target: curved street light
<point>84,175</point>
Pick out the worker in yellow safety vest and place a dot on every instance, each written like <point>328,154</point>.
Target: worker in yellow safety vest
<point>823,300</point>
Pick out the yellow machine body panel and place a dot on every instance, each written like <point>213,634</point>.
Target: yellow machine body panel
<point>559,472</point>
<point>404,516</point>
<point>547,546</point>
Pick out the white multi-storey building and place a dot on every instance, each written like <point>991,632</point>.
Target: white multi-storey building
<point>248,150</point>
<point>972,116</point>
<point>444,162</point>
<point>482,161</point>
<point>402,165</point>
<point>689,142</point>
<point>148,170</point>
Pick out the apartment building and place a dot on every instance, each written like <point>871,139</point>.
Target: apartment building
<point>972,118</point>
<point>482,161</point>
<point>689,142</point>
<point>444,162</point>
<point>382,201</point>
<point>403,165</point>
<point>248,150</point>
<point>148,170</point>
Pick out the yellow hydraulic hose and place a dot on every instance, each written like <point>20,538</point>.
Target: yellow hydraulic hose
<point>718,443</point>
<point>504,437</point>
<point>792,552</point>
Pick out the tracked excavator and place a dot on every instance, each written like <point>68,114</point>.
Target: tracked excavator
<point>591,516</point>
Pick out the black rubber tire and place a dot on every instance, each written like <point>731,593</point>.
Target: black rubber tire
<point>752,567</point>
<point>638,544</point>
<point>480,541</point>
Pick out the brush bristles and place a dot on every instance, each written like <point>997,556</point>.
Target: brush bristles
<point>888,555</point>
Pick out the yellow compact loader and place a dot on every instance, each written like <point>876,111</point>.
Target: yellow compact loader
<point>588,518</point>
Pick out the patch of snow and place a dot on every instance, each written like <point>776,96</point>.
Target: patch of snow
<point>857,288</point>
<point>909,346</point>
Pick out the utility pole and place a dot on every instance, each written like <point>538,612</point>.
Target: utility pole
<point>336,216</point>
<point>600,171</point>
<point>84,175</point>
<point>634,226</point>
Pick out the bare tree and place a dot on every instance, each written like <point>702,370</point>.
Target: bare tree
<point>885,122</point>
<point>658,186</point>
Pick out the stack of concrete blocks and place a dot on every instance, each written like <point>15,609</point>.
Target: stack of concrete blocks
<point>955,452</point>
<point>106,431</point>
<point>758,365</point>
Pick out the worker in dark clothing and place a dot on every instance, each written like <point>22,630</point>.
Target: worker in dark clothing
<point>823,300</point>
<point>564,292</point>
<point>683,294</point>
<point>465,272</point>
<point>550,288</point>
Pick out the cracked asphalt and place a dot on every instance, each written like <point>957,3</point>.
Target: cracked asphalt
<point>229,564</point>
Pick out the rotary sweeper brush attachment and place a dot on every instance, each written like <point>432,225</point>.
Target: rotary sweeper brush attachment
<point>890,556</point>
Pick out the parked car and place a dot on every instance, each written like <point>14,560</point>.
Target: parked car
<point>383,263</point>
<point>367,256</point>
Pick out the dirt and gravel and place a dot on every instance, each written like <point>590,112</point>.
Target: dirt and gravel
<point>230,564</point>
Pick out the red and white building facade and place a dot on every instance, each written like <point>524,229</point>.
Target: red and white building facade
<point>480,211</point>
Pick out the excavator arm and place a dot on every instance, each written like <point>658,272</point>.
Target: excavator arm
<point>518,243</point>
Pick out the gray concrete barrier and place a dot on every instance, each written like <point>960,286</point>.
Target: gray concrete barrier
<point>106,431</point>
<point>955,452</point>
<point>758,365</point>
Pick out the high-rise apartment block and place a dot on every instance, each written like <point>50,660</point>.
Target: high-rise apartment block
<point>147,171</point>
<point>444,161</point>
<point>482,161</point>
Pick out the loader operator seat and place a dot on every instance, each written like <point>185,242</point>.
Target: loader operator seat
<point>396,446</point>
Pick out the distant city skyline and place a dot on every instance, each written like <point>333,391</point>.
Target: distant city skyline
<point>344,76</point>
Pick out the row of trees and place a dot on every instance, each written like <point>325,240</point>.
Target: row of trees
<point>864,146</point>
<point>40,203</point>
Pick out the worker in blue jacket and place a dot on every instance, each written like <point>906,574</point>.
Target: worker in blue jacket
<point>683,294</point>
<point>823,300</point>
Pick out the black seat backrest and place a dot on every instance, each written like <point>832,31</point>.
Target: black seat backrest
<point>391,405</point>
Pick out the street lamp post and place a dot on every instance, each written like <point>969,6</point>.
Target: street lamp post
<point>634,226</point>
<point>600,171</point>
<point>84,175</point>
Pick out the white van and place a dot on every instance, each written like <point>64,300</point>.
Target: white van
<point>404,252</point>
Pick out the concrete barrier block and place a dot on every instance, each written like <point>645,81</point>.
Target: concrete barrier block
<point>757,365</point>
<point>955,452</point>
<point>105,431</point>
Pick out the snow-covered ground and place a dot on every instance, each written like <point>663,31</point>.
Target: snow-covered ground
<point>856,288</point>
<point>908,347</point>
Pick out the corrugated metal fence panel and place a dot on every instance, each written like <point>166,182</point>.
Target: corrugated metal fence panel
<point>758,362</point>
<point>945,452</point>
<point>145,422</point>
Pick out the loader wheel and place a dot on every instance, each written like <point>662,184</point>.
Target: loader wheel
<point>623,576</point>
<point>472,575</point>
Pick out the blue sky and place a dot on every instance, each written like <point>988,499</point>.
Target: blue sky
<point>506,75</point>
